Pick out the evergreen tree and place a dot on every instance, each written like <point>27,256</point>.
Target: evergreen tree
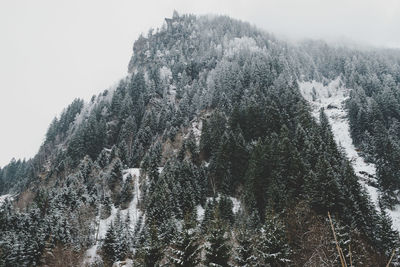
<point>185,249</point>
<point>323,188</point>
<point>103,159</point>
<point>243,89</point>
<point>258,178</point>
<point>272,247</point>
<point>389,238</point>
<point>152,248</point>
<point>225,207</point>
<point>106,207</point>
<point>245,250</point>
<point>126,194</point>
<point>110,245</point>
<point>115,179</point>
<point>217,248</point>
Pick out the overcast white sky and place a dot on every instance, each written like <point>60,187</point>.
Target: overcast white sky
<point>54,51</point>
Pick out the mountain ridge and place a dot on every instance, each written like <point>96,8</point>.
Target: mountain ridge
<point>217,104</point>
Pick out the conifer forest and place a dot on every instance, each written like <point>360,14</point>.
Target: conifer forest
<point>222,146</point>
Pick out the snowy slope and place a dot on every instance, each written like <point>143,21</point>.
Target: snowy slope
<point>332,98</point>
<point>132,210</point>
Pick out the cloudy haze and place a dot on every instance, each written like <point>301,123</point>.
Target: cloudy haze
<point>54,51</point>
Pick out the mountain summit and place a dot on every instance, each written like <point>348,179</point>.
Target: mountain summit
<point>222,146</point>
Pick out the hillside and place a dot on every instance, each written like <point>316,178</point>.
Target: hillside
<point>222,145</point>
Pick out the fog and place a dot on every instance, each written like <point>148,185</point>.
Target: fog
<point>54,51</point>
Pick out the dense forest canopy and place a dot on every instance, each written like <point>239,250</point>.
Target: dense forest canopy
<point>210,142</point>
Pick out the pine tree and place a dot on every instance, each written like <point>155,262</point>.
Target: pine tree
<point>322,187</point>
<point>109,247</point>
<point>221,167</point>
<point>211,133</point>
<point>342,233</point>
<point>119,247</point>
<point>185,249</point>
<point>115,177</point>
<point>106,207</point>
<point>103,159</point>
<point>124,153</point>
<point>115,180</point>
<point>85,168</point>
<point>245,251</point>
<point>389,238</point>
<point>225,207</point>
<point>152,162</point>
<point>209,213</point>
<point>152,248</point>
<point>272,247</point>
<point>258,178</point>
<point>126,238</point>
<point>217,249</point>
<point>126,194</point>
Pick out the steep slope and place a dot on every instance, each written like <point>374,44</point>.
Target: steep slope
<point>132,215</point>
<point>211,149</point>
<point>332,98</point>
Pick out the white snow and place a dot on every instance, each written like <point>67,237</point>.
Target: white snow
<point>89,106</point>
<point>91,255</point>
<point>200,213</point>
<point>395,215</point>
<point>105,223</point>
<point>165,74</point>
<point>4,197</point>
<point>195,127</point>
<point>238,45</point>
<point>126,263</point>
<point>132,210</point>
<point>236,204</point>
<point>235,207</point>
<point>160,169</point>
<point>134,172</point>
<point>172,94</point>
<point>332,98</point>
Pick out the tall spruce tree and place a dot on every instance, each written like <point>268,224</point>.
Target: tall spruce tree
<point>185,248</point>
<point>246,255</point>
<point>217,249</point>
<point>272,247</point>
<point>109,247</point>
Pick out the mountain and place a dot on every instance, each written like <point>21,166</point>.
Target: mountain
<point>223,145</point>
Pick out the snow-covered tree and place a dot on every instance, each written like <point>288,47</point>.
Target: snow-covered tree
<point>272,247</point>
<point>185,248</point>
<point>217,247</point>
